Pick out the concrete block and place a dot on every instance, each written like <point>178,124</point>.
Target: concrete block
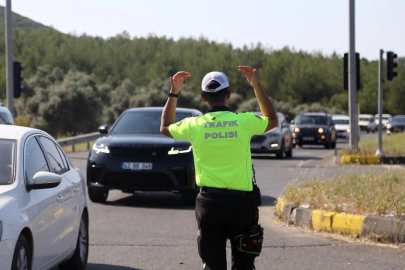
<point>348,224</point>
<point>280,206</point>
<point>322,220</point>
<point>294,216</point>
<point>394,228</point>
<point>304,217</point>
<point>288,208</point>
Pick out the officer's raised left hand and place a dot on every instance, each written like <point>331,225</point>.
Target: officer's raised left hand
<point>177,81</point>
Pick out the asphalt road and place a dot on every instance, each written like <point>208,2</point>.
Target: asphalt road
<point>156,231</point>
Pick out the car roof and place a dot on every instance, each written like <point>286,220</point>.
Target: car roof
<point>160,109</point>
<point>17,132</point>
<point>385,115</point>
<point>399,116</point>
<point>340,116</point>
<point>4,109</point>
<point>366,115</point>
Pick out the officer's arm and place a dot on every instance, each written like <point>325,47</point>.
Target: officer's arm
<point>169,111</point>
<point>266,106</point>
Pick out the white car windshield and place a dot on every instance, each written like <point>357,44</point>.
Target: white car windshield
<point>7,161</point>
<point>142,122</point>
<point>341,121</point>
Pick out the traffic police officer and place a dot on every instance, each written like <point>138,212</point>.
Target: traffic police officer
<point>225,207</point>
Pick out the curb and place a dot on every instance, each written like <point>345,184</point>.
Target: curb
<point>387,228</point>
<point>347,159</point>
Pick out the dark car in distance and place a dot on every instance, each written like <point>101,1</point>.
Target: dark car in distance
<point>397,124</point>
<point>314,129</point>
<point>135,156</point>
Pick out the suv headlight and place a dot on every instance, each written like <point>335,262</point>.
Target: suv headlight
<point>388,125</point>
<point>320,130</point>
<point>297,129</point>
<point>101,148</point>
<point>179,150</point>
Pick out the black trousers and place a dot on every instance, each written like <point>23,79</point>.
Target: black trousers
<point>221,217</point>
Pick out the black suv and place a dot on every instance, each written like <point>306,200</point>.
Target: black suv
<point>135,156</point>
<point>314,129</point>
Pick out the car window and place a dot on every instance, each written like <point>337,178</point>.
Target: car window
<point>4,118</point>
<point>312,119</point>
<point>7,161</point>
<point>34,160</point>
<point>54,158</point>
<point>142,122</point>
<point>64,159</point>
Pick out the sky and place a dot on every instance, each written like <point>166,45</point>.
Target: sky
<point>309,25</point>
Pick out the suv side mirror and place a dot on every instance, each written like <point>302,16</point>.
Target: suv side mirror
<point>292,122</point>
<point>103,129</point>
<point>43,180</point>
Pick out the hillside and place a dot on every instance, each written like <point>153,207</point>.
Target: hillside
<point>20,21</point>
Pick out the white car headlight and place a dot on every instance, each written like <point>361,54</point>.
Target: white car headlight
<point>389,126</point>
<point>348,130</point>
<point>179,150</point>
<point>101,148</point>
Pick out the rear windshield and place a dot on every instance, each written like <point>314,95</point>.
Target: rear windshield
<point>312,119</point>
<point>5,119</point>
<point>7,161</point>
<point>142,122</point>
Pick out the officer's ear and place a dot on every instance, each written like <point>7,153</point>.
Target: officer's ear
<point>203,97</point>
<point>228,94</point>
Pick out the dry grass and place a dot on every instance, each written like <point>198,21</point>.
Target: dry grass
<point>367,194</point>
<point>393,145</point>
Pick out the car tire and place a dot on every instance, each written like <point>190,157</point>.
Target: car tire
<point>281,152</point>
<point>22,254</point>
<point>98,195</point>
<point>328,145</point>
<point>80,256</point>
<point>289,153</point>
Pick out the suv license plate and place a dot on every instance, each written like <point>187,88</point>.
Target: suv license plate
<point>136,166</point>
<point>308,138</point>
<point>255,146</point>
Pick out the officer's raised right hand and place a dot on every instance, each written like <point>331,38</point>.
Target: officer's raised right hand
<point>251,75</point>
<point>177,81</point>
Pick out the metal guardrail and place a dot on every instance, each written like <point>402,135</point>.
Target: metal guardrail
<point>85,138</point>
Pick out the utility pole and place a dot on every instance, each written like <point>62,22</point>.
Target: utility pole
<point>9,58</point>
<point>352,80</point>
<point>380,152</point>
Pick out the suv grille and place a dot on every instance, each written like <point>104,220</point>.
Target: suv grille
<point>258,139</point>
<point>131,152</point>
<point>309,131</point>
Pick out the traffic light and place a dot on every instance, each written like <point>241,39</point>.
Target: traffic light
<point>18,79</point>
<point>346,71</point>
<point>392,59</point>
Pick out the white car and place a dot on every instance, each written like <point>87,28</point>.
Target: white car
<point>43,204</point>
<point>385,119</point>
<point>6,118</point>
<point>342,125</point>
<point>367,123</point>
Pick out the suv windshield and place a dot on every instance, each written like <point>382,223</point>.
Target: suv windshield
<point>7,161</point>
<point>142,122</point>
<point>312,119</point>
<point>398,120</point>
<point>341,121</point>
<point>365,119</point>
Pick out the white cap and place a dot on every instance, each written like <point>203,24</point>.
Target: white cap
<point>214,76</point>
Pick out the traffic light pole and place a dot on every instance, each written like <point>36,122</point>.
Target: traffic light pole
<point>352,81</point>
<point>380,151</point>
<point>9,58</point>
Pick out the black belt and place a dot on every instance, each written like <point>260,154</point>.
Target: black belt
<point>225,192</point>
